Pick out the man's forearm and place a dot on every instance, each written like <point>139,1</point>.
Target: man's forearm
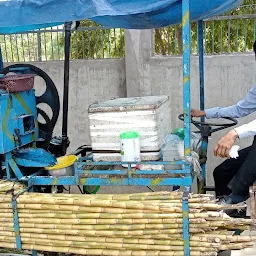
<point>241,109</point>
<point>246,130</point>
<point>231,111</point>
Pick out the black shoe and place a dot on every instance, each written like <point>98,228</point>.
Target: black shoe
<point>234,213</point>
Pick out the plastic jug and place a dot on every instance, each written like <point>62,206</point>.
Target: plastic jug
<point>130,147</point>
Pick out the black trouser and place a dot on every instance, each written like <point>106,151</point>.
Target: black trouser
<point>236,175</point>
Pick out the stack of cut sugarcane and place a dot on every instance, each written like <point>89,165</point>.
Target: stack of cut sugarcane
<point>135,224</point>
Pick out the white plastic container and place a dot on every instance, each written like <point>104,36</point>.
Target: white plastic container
<point>130,147</point>
<point>149,116</point>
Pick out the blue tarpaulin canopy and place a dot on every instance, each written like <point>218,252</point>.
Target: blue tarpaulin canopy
<point>24,15</point>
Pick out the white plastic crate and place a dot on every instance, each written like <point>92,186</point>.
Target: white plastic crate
<point>149,116</point>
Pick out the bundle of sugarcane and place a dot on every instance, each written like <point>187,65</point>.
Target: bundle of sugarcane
<point>134,224</point>
<point>7,186</point>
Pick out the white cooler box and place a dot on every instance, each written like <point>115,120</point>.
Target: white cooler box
<point>149,116</point>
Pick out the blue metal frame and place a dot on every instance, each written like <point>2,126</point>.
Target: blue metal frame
<point>1,59</point>
<point>16,223</point>
<point>16,218</point>
<point>186,39</point>
<point>34,252</point>
<point>126,177</point>
<point>186,72</point>
<point>204,145</point>
<point>185,213</point>
<point>201,62</point>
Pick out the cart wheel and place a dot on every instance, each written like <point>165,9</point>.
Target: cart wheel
<point>50,97</point>
<point>91,189</point>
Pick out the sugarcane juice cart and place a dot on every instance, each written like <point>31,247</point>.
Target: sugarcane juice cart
<point>26,138</point>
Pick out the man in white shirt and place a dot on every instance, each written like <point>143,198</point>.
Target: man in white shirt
<point>234,176</point>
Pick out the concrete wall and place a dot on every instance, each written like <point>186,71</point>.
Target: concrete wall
<point>227,80</point>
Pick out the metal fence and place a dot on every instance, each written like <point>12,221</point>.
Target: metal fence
<point>223,34</point>
<point>48,44</point>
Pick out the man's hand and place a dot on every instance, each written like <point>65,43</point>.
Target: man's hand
<point>197,113</point>
<point>225,144</point>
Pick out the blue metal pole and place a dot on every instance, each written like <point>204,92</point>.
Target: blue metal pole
<point>16,223</point>
<point>1,59</point>
<point>185,213</point>
<point>186,39</point>
<point>203,153</point>
<point>8,157</point>
<point>186,72</point>
<point>16,217</point>
<point>34,253</point>
<point>201,62</point>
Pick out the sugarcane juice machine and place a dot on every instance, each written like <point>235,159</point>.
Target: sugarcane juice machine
<point>19,125</point>
<point>24,139</point>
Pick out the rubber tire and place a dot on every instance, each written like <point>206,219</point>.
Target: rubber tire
<point>91,189</point>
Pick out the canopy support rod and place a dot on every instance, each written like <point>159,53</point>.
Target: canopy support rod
<point>66,88</point>
<point>201,62</point>
<point>186,44</point>
<point>1,59</point>
<point>203,153</point>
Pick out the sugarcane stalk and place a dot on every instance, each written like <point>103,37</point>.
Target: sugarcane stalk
<point>169,199</point>
<point>235,239</point>
<point>102,209</point>
<point>6,215</point>
<point>105,222</point>
<point>7,224</point>
<point>60,214</point>
<point>154,239</point>
<point>106,232</point>
<point>180,242</point>
<point>135,197</point>
<point>3,211</point>
<point>74,215</point>
<point>141,213</point>
<point>155,206</point>
<point>111,245</point>
<point>83,226</point>
<point>7,233</point>
<point>76,208</point>
<point>236,246</point>
<point>69,241</point>
<point>7,239</point>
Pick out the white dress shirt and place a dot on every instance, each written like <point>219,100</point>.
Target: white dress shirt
<point>241,109</point>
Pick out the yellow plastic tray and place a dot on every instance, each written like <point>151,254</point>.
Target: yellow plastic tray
<point>63,162</point>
